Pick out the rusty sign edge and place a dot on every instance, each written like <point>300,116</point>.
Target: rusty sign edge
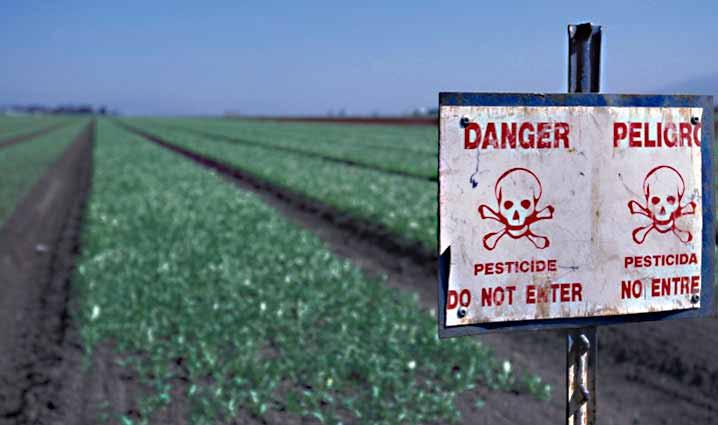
<point>708,237</point>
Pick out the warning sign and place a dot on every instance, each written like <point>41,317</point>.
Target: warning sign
<point>570,211</point>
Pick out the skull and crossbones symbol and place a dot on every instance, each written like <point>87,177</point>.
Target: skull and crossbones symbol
<point>518,192</point>
<point>663,189</point>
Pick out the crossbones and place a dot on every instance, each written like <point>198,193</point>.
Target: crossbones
<point>663,189</point>
<point>517,192</point>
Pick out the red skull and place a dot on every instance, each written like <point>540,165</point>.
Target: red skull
<point>518,192</point>
<point>663,189</point>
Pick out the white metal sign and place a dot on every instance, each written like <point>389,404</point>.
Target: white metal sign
<point>569,211</point>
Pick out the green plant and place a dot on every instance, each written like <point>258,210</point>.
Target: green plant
<point>17,126</point>
<point>536,387</point>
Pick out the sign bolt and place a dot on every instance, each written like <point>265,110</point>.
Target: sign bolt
<point>461,312</point>
<point>695,120</point>
<point>464,121</point>
<point>695,298</point>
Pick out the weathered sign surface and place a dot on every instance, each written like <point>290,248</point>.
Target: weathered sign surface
<point>569,206</point>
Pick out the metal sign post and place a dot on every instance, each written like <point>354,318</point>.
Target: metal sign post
<point>584,76</point>
<point>572,211</point>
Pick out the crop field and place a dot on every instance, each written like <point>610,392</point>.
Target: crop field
<point>205,270</point>
<point>9,124</point>
<point>405,205</point>
<point>409,151</point>
<point>12,127</point>
<point>263,316</point>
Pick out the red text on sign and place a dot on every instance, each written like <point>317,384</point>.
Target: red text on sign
<point>677,285</point>
<point>462,298</point>
<point>656,135</point>
<point>525,266</point>
<point>497,296</point>
<point>631,289</point>
<point>517,135</point>
<point>660,260</point>
<point>556,292</point>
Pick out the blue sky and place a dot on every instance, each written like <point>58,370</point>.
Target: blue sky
<point>266,57</point>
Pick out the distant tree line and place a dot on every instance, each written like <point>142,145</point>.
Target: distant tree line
<point>419,112</point>
<point>425,112</point>
<point>56,110</point>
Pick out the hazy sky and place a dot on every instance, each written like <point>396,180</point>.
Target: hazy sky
<point>204,57</point>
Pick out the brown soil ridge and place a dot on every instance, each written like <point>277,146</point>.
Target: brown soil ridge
<point>32,135</point>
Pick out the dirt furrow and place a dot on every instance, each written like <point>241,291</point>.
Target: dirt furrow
<point>35,258</point>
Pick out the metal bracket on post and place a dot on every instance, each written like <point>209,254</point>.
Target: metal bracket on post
<point>584,67</point>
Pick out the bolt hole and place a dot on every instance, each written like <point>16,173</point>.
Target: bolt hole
<point>695,298</point>
<point>461,313</point>
<point>695,120</point>
<point>464,121</point>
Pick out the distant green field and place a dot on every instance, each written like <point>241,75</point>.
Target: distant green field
<point>410,150</point>
<point>16,126</point>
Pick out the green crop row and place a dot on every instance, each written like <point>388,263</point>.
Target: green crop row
<point>408,150</point>
<point>185,269</point>
<point>10,123</point>
<point>16,126</point>
<point>24,163</point>
<point>404,205</point>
